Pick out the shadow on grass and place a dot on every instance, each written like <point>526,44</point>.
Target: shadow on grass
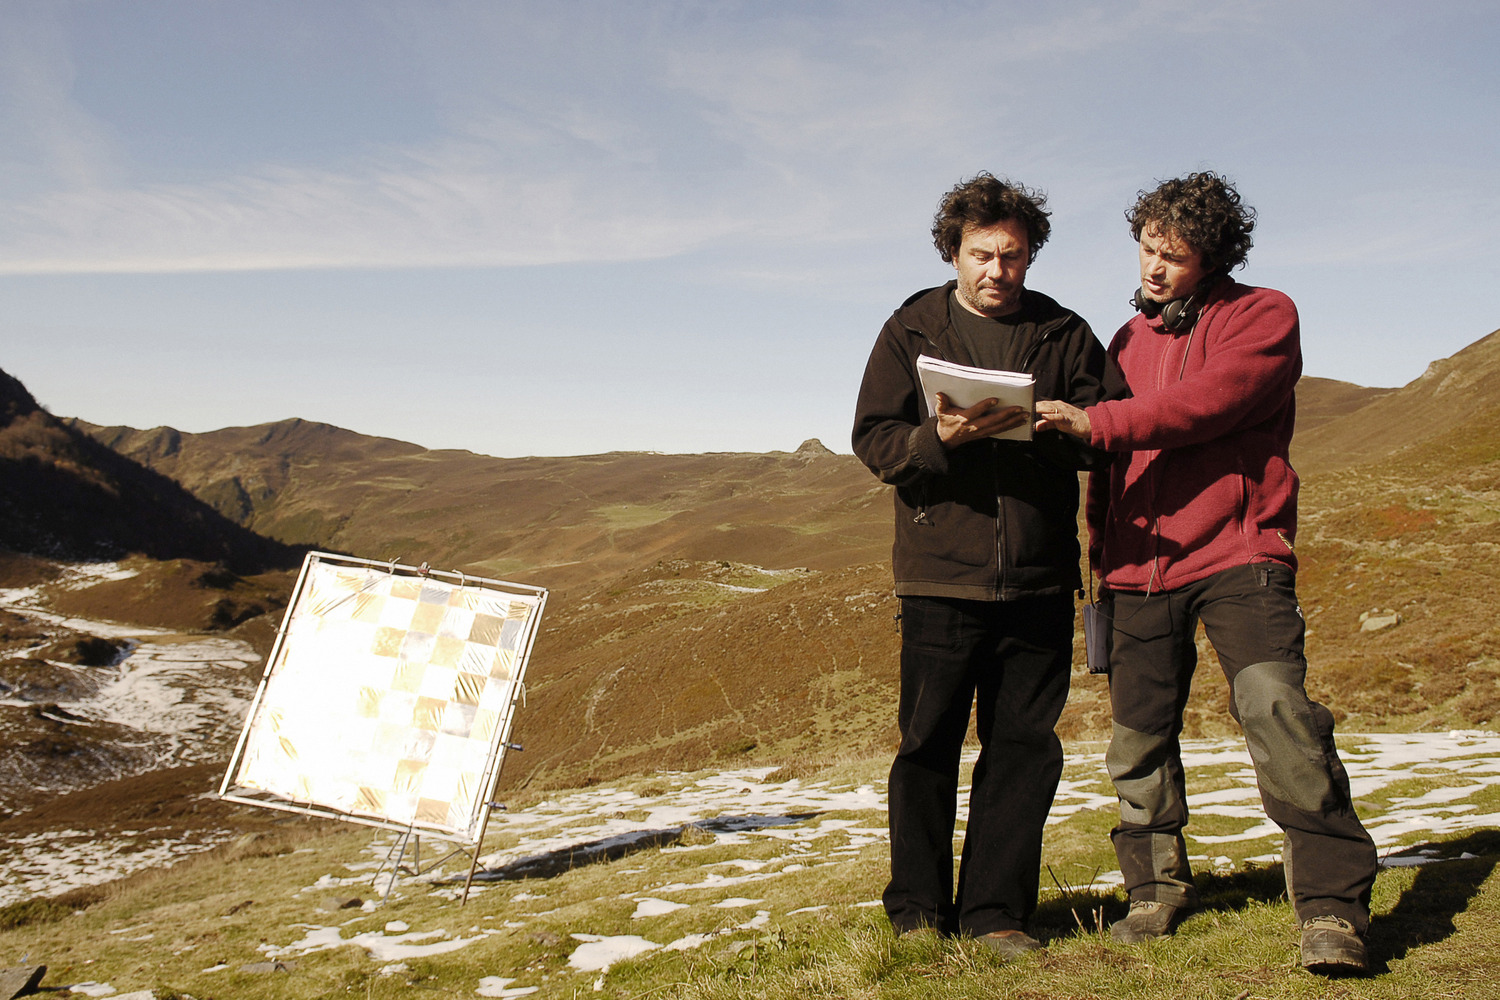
<point>564,859</point>
<point>1443,888</point>
<point>1085,911</point>
<point>1445,884</point>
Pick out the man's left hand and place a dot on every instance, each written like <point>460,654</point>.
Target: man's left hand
<point>1055,415</point>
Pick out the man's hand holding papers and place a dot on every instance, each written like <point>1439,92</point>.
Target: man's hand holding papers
<point>972,403</point>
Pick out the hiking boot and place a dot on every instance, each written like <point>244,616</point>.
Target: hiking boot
<point>1010,944</point>
<point>1148,920</point>
<point>1331,946</point>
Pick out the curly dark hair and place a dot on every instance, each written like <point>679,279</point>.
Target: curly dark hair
<point>1205,212</point>
<point>983,201</point>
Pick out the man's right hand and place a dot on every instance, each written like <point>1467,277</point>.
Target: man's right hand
<point>960,426</point>
<point>1055,415</point>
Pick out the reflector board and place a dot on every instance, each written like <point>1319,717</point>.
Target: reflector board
<point>389,696</point>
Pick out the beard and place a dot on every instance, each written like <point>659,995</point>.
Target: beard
<point>989,299</point>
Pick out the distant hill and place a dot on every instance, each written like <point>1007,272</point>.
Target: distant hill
<point>1320,400</point>
<point>553,521</point>
<point>64,495</point>
<point>683,584</point>
<point>1453,392</point>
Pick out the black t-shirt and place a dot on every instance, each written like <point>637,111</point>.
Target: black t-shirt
<point>989,340</point>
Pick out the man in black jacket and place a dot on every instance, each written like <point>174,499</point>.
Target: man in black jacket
<point>986,563</point>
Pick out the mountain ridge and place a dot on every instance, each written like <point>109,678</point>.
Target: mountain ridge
<point>330,487</point>
<point>64,494</point>
<point>1452,391</point>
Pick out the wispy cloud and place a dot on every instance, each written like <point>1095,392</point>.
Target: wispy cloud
<point>441,209</point>
<point>732,129</point>
<point>50,139</point>
<point>630,135</point>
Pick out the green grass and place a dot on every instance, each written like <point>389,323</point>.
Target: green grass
<point>1436,933</point>
<point>625,516</point>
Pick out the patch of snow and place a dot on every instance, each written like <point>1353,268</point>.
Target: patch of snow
<point>597,954</point>
<point>44,864</point>
<point>648,907</point>
<point>690,941</point>
<point>494,986</point>
<point>381,946</point>
<point>156,689</point>
<point>24,602</point>
<point>712,881</point>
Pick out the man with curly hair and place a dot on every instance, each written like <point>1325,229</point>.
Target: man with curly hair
<point>986,562</point>
<point>1195,521</point>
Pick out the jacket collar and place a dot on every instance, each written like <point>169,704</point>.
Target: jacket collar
<point>926,312</point>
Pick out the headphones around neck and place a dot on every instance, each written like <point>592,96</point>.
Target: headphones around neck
<point>1177,315</point>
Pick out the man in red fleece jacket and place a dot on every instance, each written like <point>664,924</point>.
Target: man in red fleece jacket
<point>1195,521</point>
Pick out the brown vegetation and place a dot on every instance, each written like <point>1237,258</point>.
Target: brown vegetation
<point>729,607</point>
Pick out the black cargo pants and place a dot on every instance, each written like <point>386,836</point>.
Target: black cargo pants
<point>1011,660</point>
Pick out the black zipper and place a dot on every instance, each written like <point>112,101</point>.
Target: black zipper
<point>1000,520</point>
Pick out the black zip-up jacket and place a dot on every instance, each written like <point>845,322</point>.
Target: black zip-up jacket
<point>990,520</point>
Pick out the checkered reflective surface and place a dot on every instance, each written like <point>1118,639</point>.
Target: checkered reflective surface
<point>390,695</point>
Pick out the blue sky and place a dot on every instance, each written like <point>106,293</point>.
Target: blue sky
<point>571,227</point>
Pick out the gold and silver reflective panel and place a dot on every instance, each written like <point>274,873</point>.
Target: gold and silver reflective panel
<point>389,696</point>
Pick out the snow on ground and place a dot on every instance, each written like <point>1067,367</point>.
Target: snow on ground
<point>28,601</point>
<point>189,696</point>
<point>742,808</point>
<point>44,864</point>
<point>186,689</point>
<point>811,824</point>
<point>179,699</point>
<point>177,690</point>
<point>186,696</point>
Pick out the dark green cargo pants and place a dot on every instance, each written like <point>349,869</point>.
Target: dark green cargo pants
<point>1251,616</point>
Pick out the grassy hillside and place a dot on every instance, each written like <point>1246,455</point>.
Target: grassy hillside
<point>1320,400</point>
<point>1415,534</point>
<point>548,521</point>
<point>691,663</point>
<point>1454,392</point>
<point>726,884</point>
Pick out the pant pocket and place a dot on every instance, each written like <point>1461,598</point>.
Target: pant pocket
<point>929,623</point>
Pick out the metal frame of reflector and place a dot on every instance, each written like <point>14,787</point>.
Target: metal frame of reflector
<point>388,698</point>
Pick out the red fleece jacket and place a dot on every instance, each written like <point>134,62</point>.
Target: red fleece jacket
<point>1204,482</point>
